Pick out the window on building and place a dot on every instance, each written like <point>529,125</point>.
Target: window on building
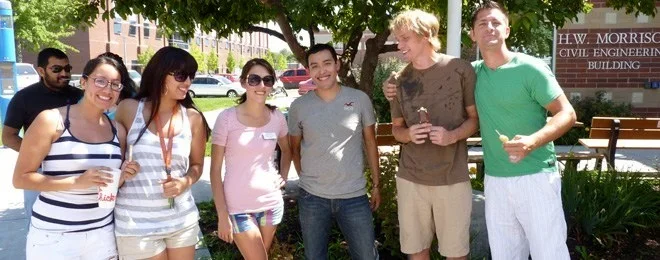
<point>226,44</point>
<point>146,30</point>
<point>132,28</point>
<point>177,41</point>
<point>159,34</point>
<point>135,65</point>
<point>206,41</point>
<point>641,18</point>
<point>117,25</point>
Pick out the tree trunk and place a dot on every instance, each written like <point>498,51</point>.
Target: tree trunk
<point>290,38</point>
<point>370,61</point>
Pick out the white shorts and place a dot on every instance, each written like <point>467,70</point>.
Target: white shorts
<point>98,244</point>
<point>524,214</point>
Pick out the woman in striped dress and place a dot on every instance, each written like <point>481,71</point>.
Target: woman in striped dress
<point>73,145</point>
<point>156,215</point>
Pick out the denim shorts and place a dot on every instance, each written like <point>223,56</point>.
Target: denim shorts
<point>242,222</point>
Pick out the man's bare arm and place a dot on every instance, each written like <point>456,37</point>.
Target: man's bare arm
<point>10,138</point>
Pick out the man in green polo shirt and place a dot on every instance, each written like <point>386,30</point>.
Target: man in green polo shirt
<point>513,94</point>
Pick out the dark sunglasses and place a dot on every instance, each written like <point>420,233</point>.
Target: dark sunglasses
<point>181,76</point>
<point>254,80</point>
<point>58,68</point>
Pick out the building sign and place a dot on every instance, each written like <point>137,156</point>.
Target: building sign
<point>609,50</point>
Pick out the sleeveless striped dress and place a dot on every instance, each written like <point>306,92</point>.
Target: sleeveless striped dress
<point>74,210</point>
<point>141,208</point>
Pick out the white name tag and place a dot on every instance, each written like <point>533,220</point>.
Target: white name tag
<point>269,136</point>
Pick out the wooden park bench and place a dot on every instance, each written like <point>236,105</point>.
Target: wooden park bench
<point>384,137</point>
<point>609,133</point>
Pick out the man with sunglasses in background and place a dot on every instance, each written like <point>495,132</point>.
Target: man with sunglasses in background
<point>50,92</point>
<point>329,128</point>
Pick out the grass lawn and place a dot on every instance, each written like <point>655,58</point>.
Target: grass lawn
<point>207,150</point>
<point>209,104</point>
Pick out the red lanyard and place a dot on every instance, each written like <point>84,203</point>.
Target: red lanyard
<point>167,151</point>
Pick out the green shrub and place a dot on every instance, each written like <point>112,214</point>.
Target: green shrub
<point>386,218</point>
<point>208,222</point>
<point>586,109</point>
<point>604,209</point>
<point>383,71</point>
<point>288,238</point>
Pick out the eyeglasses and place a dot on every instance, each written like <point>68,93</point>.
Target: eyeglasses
<point>58,68</point>
<point>254,80</point>
<point>103,82</point>
<point>181,76</point>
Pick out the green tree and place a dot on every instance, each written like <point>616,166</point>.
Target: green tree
<point>270,57</point>
<point>42,23</point>
<point>212,61</point>
<point>199,58</point>
<point>347,20</point>
<point>241,62</point>
<point>231,62</point>
<point>288,55</point>
<point>145,56</point>
<point>280,62</point>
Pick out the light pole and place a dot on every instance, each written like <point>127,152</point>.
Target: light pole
<point>454,27</point>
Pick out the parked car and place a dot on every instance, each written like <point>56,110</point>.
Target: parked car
<point>75,80</point>
<point>291,78</point>
<point>135,76</point>
<point>26,75</point>
<point>306,86</point>
<point>215,86</point>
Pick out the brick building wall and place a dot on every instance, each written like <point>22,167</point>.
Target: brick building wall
<point>610,51</point>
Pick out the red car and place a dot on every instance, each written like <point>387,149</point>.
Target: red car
<point>291,78</point>
<point>306,86</point>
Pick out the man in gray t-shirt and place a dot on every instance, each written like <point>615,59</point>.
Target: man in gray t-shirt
<point>330,128</point>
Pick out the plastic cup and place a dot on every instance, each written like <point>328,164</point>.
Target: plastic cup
<point>108,194</point>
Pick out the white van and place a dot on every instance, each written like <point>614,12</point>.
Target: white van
<point>25,75</point>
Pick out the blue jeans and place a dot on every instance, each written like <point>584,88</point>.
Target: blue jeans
<point>353,216</point>
<point>29,197</point>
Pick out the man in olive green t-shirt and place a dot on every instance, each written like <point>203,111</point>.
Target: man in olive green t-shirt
<point>434,195</point>
<point>513,93</point>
